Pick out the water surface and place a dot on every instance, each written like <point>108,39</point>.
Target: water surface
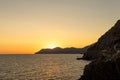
<point>41,67</point>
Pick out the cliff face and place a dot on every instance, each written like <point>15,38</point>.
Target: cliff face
<point>104,68</point>
<point>105,43</point>
<point>106,53</point>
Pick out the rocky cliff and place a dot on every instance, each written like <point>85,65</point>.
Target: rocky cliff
<point>106,53</point>
<point>103,68</point>
<point>105,44</point>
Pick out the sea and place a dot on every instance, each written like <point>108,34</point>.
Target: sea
<point>41,66</point>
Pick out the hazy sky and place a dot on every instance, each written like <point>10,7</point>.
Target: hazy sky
<point>26,26</point>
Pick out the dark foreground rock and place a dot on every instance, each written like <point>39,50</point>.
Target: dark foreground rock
<point>104,68</point>
<point>106,57</point>
<point>105,44</point>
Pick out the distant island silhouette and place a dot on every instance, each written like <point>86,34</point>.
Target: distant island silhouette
<point>59,50</point>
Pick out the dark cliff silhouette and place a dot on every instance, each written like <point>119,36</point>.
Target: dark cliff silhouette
<point>106,55</point>
<point>59,50</point>
<point>103,68</point>
<point>105,44</point>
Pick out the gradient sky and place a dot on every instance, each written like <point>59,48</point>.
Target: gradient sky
<point>26,26</point>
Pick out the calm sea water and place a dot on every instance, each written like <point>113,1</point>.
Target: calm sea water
<point>41,67</point>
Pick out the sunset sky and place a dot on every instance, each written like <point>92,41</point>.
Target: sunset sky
<point>27,26</point>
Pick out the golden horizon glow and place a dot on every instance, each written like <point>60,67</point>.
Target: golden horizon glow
<point>26,26</point>
<point>51,46</point>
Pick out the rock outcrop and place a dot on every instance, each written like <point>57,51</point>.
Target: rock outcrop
<point>103,68</point>
<point>106,55</point>
<point>105,44</point>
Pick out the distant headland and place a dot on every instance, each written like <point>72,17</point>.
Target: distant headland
<point>59,50</point>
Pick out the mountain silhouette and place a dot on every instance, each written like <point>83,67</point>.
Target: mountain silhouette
<point>59,50</point>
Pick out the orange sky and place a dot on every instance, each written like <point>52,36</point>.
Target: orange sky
<point>27,26</point>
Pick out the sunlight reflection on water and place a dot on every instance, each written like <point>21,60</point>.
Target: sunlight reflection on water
<point>41,67</point>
